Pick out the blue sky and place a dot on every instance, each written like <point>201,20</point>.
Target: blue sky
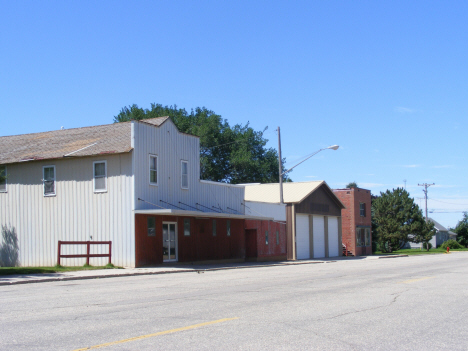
<point>387,81</point>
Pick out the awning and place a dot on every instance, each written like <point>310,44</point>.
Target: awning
<point>197,214</point>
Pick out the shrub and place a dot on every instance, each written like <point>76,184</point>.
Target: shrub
<point>425,246</point>
<point>452,244</point>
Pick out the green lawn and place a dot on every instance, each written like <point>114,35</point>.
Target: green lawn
<point>416,252</point>
<point>57,269</point>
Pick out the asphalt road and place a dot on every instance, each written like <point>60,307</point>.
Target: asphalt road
<point>408,303</point>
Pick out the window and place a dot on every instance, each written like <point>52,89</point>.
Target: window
<point>228,226</point>
<point>368,237</point>
<point>100,176</point>
<point>266,237</point>
<point>363,237</point>
<point>187,226</point>
<point>153,169</point>
<point>362,209</point>
<point>49,180</point>
<point>277,237</point>
<point>3,181</point>
<point>214,227</point>
<point>184,169</point>
<point>151,226</point>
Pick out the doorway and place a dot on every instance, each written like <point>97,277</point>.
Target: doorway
<point>169,241</point>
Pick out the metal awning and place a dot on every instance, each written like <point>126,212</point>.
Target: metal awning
<point>198,214</point>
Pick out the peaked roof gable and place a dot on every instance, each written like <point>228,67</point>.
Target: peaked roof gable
<point>292,192</point>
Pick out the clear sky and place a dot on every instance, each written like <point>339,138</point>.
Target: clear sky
<point>387,81</point>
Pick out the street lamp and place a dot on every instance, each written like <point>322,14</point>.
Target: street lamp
<point>281,173</point>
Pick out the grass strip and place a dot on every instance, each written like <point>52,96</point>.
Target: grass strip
<point>56,269</point>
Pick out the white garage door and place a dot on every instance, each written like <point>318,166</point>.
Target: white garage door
<point>319,237</point>
<point>302,237</point>
<point>333,248</point>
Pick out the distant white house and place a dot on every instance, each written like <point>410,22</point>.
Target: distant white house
<point>442,234</point>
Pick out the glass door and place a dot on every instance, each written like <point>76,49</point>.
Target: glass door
<point>169,241</point>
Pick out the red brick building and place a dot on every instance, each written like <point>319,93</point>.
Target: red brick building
<point>356,220</point>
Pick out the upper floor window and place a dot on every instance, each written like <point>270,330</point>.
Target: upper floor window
<point>49,180</point>
<point>100,176</point>
<point>184,169</point>
<point>153,169</point>
<point>362,209</point>
<point>3,180</point>
<point>228,227</point>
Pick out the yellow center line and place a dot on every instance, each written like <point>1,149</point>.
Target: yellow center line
<point>414,280</point>
<point>157,334</point>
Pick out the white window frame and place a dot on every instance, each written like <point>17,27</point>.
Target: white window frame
<point>157,169</point>
<point>6,180</point>
<point>182,174</point>
<point>94,177</point>
<point>43,181</point>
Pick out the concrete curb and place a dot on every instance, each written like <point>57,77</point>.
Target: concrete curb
<point>193,270</point>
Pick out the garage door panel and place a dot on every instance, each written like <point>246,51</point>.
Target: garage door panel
<point>319,236</point>
<point>333,245</point>
<point>302,237</point>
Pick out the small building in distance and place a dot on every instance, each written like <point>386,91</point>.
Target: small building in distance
<point>442,234</point>
<point>356,220</point>
<point>312,214</point>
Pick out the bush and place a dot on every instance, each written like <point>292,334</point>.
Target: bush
<point>452,244</point>
<point>425,246</point>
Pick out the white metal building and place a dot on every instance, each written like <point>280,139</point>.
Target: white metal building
<point>86,184</point>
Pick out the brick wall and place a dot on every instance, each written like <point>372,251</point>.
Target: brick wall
<point>351,217</point>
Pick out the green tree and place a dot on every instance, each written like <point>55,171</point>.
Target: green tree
<point>422,231</point>
<point>352,185</point>
<point>228,154</point>
<point>395,216</point>
<point>462,230</point>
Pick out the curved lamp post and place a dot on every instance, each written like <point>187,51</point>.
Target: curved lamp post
<point>281,173</point>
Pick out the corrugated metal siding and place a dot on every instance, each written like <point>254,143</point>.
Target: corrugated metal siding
<point>172,147</point>
<point>75,213</point>
<point>277,211</point>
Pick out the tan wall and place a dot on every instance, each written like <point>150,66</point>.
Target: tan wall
<point>74,213</point>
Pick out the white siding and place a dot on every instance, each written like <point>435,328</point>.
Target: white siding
<point>319,236</point>
<point>333,250</point>
<point>277,211</point>
<point>75,213</point>
<point>172,147</point>
<point>302,237</point>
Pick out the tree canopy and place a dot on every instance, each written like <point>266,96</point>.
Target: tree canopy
<point>236,154</point>
<point>462,230</point>
<point>397,220</point>
<point>352,185</point>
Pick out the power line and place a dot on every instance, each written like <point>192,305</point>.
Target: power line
<point>425,185</point>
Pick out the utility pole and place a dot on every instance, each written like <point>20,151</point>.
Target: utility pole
<point>404,180</point>
<point>425,185</point>
<point>280,163</point>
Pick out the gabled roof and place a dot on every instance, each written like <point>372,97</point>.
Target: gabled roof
<point>292,192</point>
<point>77,142</point>
<point>438,226</point>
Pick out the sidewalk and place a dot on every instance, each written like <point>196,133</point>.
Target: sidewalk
<point>163,269</point>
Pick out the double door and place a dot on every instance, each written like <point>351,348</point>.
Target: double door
<point>169,241</point>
